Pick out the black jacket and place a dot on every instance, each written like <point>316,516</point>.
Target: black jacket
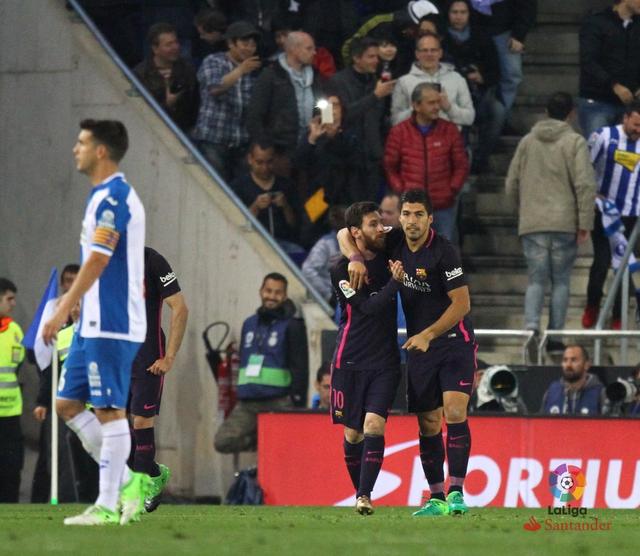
<point>609,54</point>
<point>517,16</point>
<point>478,51</point>
<point>273,110</point>
<point>363,111</point>
<point>183,78</point>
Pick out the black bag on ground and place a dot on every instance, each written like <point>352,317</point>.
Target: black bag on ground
<point>245,490</point>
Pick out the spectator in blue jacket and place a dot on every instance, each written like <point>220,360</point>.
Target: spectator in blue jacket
<point>578,392</point>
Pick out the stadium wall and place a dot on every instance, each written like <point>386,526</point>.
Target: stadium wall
<point>53,74</point>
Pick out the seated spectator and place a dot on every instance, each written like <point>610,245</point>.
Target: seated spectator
<point>322,400</point>
<point>427,152</point>
<point>403,24</point>
<point>211,26</point>
<point>474,56</point>
<point>363,97</point>
<point>226,82</point>
<point>270,198</point>
<point>609,64</point>
<point>578,392</point>
<point>508,22</point>
<point>455,99</point>
<point>168,77</point>
<point>390,210</point>
<point>283,100</point>
<point>323,255</point>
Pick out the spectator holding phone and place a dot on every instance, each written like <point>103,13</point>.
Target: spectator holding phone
<point>170,78</point>
<point>226,83</point>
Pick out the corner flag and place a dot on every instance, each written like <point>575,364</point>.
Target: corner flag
<point>33,337</point>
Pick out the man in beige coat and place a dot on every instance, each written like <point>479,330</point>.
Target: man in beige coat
<point>552,181</point>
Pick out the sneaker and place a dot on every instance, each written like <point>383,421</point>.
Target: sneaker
<point>456,503</point>
<point>132,496</point>
<point>590,316</point>
<point>363,505</point>
<point>433,507</point>
<point>94,515</point>
<point>154,496</point>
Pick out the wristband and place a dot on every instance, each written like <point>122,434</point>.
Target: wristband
<point>357,258</point>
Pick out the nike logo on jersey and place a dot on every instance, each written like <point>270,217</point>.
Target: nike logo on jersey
<point>462,383</point>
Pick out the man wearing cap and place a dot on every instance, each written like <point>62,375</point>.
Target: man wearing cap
<point>226,81</point>
<point>402,25</point>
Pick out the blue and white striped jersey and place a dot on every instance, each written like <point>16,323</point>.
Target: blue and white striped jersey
<point>616,160</point>
<point>114,225</point>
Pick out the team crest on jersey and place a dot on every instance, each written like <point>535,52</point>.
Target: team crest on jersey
<point>421,273</point>
<point>248,339</point>
<point>273,339</point>
<point>337,413</point>
<point>107,219</point>
<point>346,289</point>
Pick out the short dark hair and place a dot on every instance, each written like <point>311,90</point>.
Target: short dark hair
<point>431,35</point>
<point>157,29</point>
<point>325,369</point>
<point>277,277</point>
<point>7,285</point>
<point>110,133</point>
<point>583,350</point>
<point>355,213</point>
<point>210,20</point>
<point>360,45</point>
<point>336,217</point>
<point>632,107</point>
<point>560,105</point>
<point>72,268</point>
<point>263,144</point>
<point>416,94</point>
<point>417,196</point>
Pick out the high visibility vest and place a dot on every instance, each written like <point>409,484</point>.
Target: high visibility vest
<point>11,355</point>
<point>65,337</point>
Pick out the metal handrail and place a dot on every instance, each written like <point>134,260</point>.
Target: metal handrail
<point>596,334</point>
<point>498,333</point>
<point>196,154</point>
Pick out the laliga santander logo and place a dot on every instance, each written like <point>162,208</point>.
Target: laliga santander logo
<point>566,483</point>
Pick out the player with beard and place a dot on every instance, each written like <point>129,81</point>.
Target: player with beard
<point>441,345</point>
<point>366,362</point>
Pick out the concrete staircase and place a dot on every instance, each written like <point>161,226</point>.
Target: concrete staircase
<point>491,249</point>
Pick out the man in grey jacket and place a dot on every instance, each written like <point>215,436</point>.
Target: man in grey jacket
<point>456,104</point>
<point>552,181</point>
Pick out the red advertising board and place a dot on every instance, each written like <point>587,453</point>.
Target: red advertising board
<point>300,461</point>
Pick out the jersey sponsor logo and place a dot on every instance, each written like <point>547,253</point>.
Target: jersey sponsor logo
<point>455,273</point>
<point>168,279</point>
<point>346,289</point>
<point>416,284</point>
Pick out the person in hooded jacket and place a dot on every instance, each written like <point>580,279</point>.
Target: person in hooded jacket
<point>551,179</point>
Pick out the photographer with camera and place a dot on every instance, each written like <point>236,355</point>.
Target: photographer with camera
<point>170,78</point>
<point>497,390</point>
<point>623,396</point>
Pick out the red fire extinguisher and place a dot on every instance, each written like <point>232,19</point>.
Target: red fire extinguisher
<point>224,364</point>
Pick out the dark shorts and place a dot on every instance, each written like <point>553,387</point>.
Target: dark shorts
<point>444,368</point>
<point>356,392</point>
<point>146,392</point>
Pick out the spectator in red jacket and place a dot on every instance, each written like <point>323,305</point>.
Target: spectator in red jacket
<point>427,152</point>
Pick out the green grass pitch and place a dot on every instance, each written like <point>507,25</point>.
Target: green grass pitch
<point>263,530</point>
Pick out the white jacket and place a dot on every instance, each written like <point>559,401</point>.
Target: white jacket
<point>461,111</point>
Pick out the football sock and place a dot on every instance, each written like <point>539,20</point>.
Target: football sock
<point>116,445</point>
<point>458,448</point>
<point>145,452</point>
<point>373,454</point>
<point>432,458</point>
<point>89,431</point>
<point>353,458</point>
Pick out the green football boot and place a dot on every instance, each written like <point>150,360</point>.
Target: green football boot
<point>94,515</point>
<point>132,496</point>
<point>456,503</point>
<point>154,496</point>
<point>434,507</point>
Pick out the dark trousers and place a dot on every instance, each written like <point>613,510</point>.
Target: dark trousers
<point>11,459</point>
<point>602,262</point>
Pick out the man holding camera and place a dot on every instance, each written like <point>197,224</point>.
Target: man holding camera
<point>170,78</point>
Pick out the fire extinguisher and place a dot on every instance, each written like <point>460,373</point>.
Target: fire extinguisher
<point>224,364</point>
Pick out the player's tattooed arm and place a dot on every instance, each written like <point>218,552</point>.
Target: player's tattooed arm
<point>179,315</point>
<point>459,308</point>
<point>357,269</point>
